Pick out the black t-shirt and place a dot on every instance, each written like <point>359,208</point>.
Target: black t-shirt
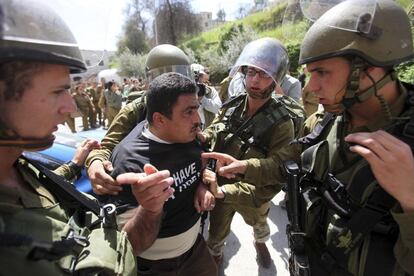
<point>182,160</point>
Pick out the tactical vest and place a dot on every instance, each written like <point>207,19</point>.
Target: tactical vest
<point>344,210</point>
<point>67,238</point>
<point>244,139</point>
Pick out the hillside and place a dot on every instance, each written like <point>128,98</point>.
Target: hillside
<point>264,23</point>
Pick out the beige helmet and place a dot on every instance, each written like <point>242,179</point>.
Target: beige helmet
<point>387,42</point>
<point>167,58</point>
<point>34,32</point>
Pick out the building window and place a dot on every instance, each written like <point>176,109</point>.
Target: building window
<point>101,63</point>
<point>88,62</point>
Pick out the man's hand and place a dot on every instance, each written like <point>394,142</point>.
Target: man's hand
<point>391,161</point>
<point>102,182</point>
<point>227,166</point>
<point>210,179</point>
<point>83,149</point>
<point>151,189</point>
<point>203,199</point>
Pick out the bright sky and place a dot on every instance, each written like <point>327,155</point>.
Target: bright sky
<point>97,24</point>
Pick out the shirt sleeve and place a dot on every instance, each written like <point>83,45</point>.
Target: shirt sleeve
<point>124,122</point>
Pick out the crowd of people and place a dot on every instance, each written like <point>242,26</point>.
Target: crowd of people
<point>179,149</point>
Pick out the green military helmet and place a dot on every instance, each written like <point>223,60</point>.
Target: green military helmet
<point>379,33</point>
<point>167,58</point>
<point>34,32</point>
<point>266,54</point>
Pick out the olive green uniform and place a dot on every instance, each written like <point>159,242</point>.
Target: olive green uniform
<point>84,104</point>
<point>224,87</point>
<point>95,94</point>
<point>129,116</point>
<point>31,218</point>
<point>251,193</point>
<point>323,224</point>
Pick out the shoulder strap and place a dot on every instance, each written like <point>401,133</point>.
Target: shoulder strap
<point>65,191</point>
<point>141,105</point>
<point>315,135</point>
<point>233,100</point>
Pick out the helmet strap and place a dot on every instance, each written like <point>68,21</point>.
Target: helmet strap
<point>25,143</point>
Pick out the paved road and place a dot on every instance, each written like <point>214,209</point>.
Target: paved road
<point>239,253</point>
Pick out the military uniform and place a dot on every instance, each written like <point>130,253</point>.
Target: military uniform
<point>33,222</point>
<point>129,116</point>
<point>332,232</point>
<point>95,94</point>
<point>224,87</point>
<point>262,140</point>
<point>85,106</point>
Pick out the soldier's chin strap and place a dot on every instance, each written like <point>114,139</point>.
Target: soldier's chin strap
<point>353,95</point>
<point>24,143</point>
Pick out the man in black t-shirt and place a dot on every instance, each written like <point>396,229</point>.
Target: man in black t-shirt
<point>166,140</point>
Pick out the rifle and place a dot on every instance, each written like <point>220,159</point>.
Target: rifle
<point>298,260</point>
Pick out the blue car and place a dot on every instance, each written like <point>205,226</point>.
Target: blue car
<point>63,150</point>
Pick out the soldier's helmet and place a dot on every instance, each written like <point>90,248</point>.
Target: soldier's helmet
<point>167,58</point>
<point>31,31</point>
<point>377,31</point>
<point>266,54</point>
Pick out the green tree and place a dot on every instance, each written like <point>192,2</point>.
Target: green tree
<point>175,21</point>
<point>131,65</point>
<point>135,28</point>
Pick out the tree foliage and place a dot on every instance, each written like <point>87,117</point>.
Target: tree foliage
<point>175,21</point>
<point>220,61</point>
<point>135,28</point>
<point>131,65</point>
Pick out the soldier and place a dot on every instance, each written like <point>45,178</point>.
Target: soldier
<point>47,227</point>
<point>357,189</point>
<point>354,209</point>
<point>95,95</point>
<point>255,128</point>
<point>162,58</point>
<point>85,106</point>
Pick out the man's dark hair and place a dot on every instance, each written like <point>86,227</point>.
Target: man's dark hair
<point>164,91</point>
